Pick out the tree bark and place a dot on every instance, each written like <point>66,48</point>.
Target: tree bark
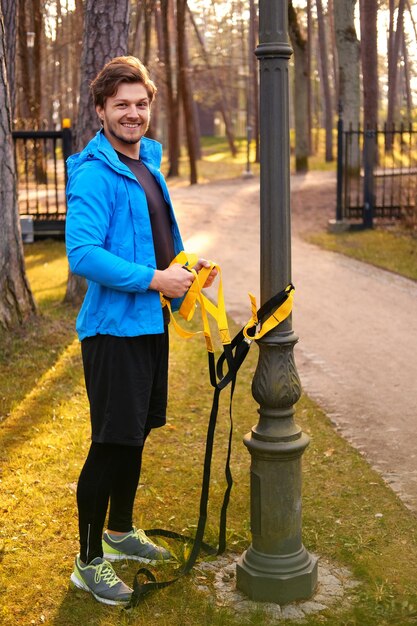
<point>172,103</point>
<point>348,61</point>
<point>299,44</point>
<point>407,78</point>
<point>37,68</point>
<point>77,37</point>
<point>369,56</point>
<point>134,47</point>
<point>16,299</point>
<point>148,14</point>
<point>333,45</point>
<point>25,105</point>
<point>328,113</point>
<point>393,56</point>
<point>100,45</point>
<point>184,89</point>
<point>10,9</point>
<point>309,87</point>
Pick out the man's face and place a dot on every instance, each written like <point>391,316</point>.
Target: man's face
<point>125,117</point>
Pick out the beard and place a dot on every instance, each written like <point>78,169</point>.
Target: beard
<point>128,137</point>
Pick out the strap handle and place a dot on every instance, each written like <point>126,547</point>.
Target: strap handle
<point>195,295</point>
<point>282,303</point>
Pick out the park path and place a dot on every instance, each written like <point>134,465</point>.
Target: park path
<point>357,325</point>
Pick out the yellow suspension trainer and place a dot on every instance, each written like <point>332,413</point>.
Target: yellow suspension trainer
<point>262,321</point>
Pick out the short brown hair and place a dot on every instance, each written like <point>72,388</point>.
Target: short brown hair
<point>127,69</point>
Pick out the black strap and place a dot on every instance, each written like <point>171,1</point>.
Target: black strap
<point>141,589</point>
<point>233,354</point>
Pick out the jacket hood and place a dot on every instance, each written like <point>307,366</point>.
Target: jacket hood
<point>100,148</point>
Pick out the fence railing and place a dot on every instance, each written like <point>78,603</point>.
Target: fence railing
<point>41,175</point>
<point>376,174</point>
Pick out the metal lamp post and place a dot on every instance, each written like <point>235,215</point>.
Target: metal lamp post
<point>276,567</point>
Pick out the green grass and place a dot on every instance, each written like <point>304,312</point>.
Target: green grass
<point>394,251</point>
<point>217,162</point>
<point>44,436</point>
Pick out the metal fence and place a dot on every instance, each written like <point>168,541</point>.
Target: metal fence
<point>41,174</point>
<point>376,174</point>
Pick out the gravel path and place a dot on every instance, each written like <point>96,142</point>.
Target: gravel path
<point>357,324</point>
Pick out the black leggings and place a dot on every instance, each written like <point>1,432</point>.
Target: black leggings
<point>111,473</point>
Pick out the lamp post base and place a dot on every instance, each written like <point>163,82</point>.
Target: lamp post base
<point>279,579</point>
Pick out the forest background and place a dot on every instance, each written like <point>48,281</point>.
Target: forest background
<point>355,58</point>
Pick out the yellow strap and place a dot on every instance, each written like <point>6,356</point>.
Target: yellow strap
<point>185,334</point>
<point>218,311</point>
<point>278,316</point>
<point>194,295</point>
<point>188,305</point>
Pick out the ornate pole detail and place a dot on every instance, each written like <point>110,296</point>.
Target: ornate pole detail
<point>276,567</point>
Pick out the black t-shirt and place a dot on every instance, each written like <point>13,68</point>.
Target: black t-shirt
<point>159,213</point>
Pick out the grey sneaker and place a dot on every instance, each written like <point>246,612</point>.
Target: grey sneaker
<point>100,579</point>
<point>135,546</point>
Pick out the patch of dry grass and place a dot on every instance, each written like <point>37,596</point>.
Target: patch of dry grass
<point>395,251</point>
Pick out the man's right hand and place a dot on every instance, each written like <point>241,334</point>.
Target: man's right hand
<point>173,282</point>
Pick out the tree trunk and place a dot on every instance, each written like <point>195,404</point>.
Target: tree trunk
<point>369,55</point>
<point>149,14</point>
<point>333,45</point>
<point>299,44</point>
<point>149,10</point>
<point>39,157</point>
<point>16,300</point>
<point>309,89</point>
<point>328,113</point>
<point>172,104</point>
<point>407,79</point>
<point>134,47</point>
<point>10,8</point>
<point>37,69</point>
<point>100,45</point>
<point>184,89</point>
<point>348,59</point>
<point>394,52</point>
<point>77,38</point>
<point>25,105</point>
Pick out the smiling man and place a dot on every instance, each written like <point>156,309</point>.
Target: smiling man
<point>125,117</point>
<point>121,235</point>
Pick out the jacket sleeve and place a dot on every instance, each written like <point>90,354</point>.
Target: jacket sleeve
<point>90,195</point>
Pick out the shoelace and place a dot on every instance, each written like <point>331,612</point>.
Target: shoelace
<point>105,572</point>
<point>139,534</point>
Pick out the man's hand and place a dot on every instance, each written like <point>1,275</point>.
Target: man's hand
<point>210,278</point>
<point>173,282</point>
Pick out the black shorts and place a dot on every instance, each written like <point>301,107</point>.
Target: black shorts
<point>127,385</point>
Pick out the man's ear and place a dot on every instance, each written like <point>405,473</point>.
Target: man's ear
<point>100,113</point>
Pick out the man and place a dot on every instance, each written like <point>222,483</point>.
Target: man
<point>121,234</point>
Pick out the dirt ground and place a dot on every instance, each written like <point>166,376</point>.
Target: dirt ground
<point>356,324</point>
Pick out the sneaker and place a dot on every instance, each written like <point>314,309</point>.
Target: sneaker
<point>135,546</point>
<point>100,579</point>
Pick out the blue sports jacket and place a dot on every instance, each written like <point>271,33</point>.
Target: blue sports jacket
<point>109,240</point>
